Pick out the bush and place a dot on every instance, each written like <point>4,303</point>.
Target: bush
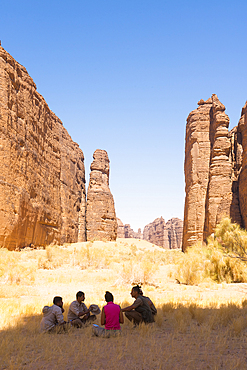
<point>212,261</point>
<point>192,267</point>
<point>232,238</point>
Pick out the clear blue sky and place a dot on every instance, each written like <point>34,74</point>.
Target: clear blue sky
<point>124,75</point>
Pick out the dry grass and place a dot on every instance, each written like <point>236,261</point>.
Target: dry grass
<point>197,327</point>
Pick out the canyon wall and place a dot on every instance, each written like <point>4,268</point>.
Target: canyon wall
<point>101,221</point>
<point>215,171</point>
<point>42,177</point>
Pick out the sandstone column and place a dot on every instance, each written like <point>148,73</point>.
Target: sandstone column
<point>213,160</point>
<point>219,194</point>
<point>101,222</point>
<point>196,168</point>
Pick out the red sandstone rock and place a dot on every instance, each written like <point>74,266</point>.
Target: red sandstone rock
<point>166,235</point>
<point>42,179</point>
<point>219,191</point>
<point>242,128</point>
<point>174,229</point>
<point>120,229</point>
<point>215,180</point>
<point>101,222</point>
<point>196,168</point>
<point>154,232</point>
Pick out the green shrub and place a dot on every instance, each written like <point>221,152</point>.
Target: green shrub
<point>217,261</point>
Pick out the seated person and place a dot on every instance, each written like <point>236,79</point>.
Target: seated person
<point>151,305</point>
<point>111,317</point>
<point>78,313</point>
<point>140,310</point>
<point>53,317</point>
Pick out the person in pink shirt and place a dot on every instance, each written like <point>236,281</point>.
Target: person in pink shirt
<point>111,317</point>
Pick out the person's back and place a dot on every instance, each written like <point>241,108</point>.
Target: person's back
<point>111,317</point>
<point>52,316</point>
<point>151,305</point>
<point>112,313</point>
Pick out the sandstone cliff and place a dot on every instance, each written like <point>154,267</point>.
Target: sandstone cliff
<point>215,174</point>
<point>166,235</point>
<point>42,177</point>
<point>101,222</point>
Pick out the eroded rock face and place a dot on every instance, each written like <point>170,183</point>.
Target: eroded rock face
<point>154,232</point>
<point>174,230</point>
<point>42,177</point>
<point>120,229</point>
<point>242,130</point>
<point>196,168</point>
<point>166,235</point>
<point>101,221</point>
<point>214,176</point>
<point>219,189</point>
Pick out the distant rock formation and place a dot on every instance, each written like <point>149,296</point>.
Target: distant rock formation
<point>120,229</point>
<point>125,231</point>
<point>166,235</point>
<point>215,171</point>
<point>42,177</point>
<point>101,221</point>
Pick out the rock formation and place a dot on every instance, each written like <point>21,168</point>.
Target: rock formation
<point>42,177</point>
<point>125,231</point>
<point>120,229</point>
<point>174,231</point>
<point>166,235</point>
<point>101,221</point>
<point>242,142</point>
<point>215,173</point>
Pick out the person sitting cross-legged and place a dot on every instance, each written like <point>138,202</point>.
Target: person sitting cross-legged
<point>140,310</point>
<point>52,320</point>
<point>111,317</point>
<point>78,314</point>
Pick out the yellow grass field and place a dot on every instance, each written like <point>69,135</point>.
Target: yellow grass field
<point>197,327</point>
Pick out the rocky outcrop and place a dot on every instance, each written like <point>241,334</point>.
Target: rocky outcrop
<point>166,235</point>
<point>42,177</point>
<point>214,175</point>
<point>101,221</point>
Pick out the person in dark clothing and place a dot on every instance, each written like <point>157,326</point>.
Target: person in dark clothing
<point>140,310</point>
<point>151,304</point>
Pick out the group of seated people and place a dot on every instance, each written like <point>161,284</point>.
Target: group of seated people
<point>142,310</point>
